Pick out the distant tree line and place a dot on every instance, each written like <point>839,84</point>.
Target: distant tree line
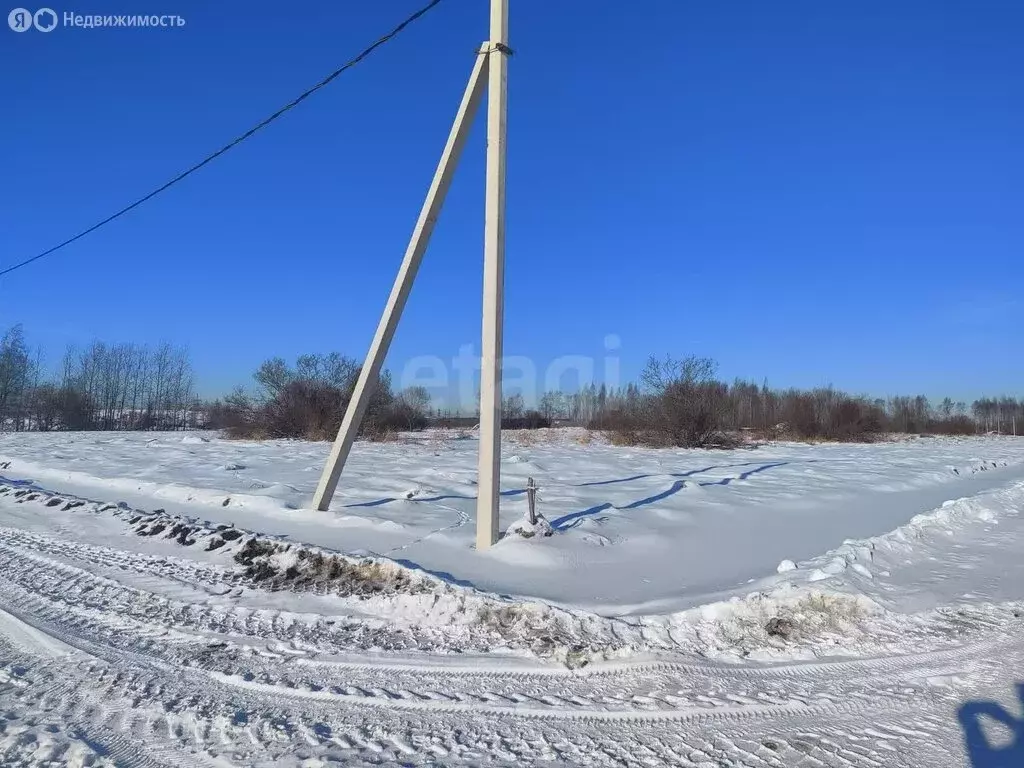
<point>111,387</point>
<point>1002,415</point>
<point>678,401</point>
<point>682,402</point>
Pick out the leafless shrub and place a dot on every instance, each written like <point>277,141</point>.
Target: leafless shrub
<point>309,409</point>
<point>309,401</point>
<point>853,420</point>
<point>956,425</point>
<point>682,405</point>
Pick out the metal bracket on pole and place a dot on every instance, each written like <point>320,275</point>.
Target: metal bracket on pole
<point>490,47</point>
<point>369,373</point>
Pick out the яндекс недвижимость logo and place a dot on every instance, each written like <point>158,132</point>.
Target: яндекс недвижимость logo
<point>46,20</point>
<point>22,19</point>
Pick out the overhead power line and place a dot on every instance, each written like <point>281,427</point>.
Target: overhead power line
<point>233,143</point>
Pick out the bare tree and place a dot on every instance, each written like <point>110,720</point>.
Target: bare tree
<point>553,405</point>
<point>416,398</point>
<point>685,401</point>
<point>513,406</point>
<point>16,376</point>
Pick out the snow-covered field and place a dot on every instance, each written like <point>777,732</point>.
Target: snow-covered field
<point>166,599</point>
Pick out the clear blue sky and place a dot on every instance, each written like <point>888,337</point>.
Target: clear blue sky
<point>810,192</point>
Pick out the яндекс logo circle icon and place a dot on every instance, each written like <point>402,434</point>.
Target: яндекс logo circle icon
<point>20,20</point>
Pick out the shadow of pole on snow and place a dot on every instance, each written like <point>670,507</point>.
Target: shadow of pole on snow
<point>980,752</point>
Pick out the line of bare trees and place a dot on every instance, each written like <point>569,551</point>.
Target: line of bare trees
<point>682,402</point>
<point>101,386</point>
<point>1002,415</point>
<point>676,402</point>
<point>309,399</point>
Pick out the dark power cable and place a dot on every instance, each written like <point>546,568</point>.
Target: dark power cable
<point>234,143</point>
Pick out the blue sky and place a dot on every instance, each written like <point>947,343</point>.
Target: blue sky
<point>808,192</point>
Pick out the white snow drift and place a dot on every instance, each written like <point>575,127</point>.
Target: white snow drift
<point>170,599</point>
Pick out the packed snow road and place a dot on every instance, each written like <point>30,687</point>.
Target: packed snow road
<point>132,635</point>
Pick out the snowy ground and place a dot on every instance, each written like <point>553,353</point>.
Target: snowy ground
<point>165,599</point>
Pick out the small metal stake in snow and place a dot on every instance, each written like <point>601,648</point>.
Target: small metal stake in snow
<point>531,498</point>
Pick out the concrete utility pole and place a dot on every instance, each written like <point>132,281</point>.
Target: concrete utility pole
<point>491,67</point>
<point>489,464</point>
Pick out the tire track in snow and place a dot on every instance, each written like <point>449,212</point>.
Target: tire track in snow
<point>136,671</point>
<point>247,727</point>
<point>648,691</point>
<point>74,589</point>
<point>113,683</point>
<point>231,619</point>
<point>77,587</point>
